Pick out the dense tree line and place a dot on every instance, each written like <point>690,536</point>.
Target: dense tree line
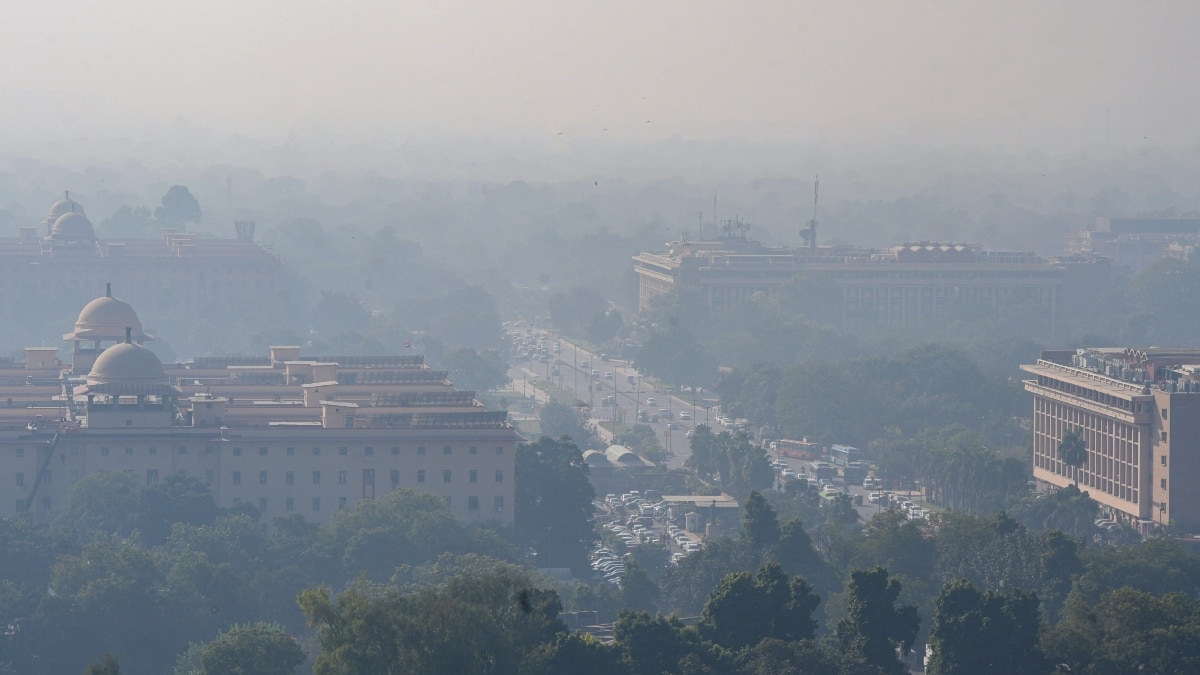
<point>142,571</point>
<point>928,414</point>
<point>732,460</point>
<point>397,585</point>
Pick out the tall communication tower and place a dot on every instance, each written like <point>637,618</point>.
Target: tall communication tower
<point>809,232</point>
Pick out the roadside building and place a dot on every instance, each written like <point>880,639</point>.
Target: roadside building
<point>902,285</point>
<point>1138,412</point>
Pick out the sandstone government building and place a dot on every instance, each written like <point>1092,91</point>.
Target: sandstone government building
<point>65,261</point>
<point>904,285</point>
<point>286,431</point>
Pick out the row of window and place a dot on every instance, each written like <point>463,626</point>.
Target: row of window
<point>263,451</point>
<point>289,477</point>
<point>289,503</point>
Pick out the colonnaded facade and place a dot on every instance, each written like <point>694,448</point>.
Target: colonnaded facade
<point>903,285</point>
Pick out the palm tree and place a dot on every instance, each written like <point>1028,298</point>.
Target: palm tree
<point>1073,451</point>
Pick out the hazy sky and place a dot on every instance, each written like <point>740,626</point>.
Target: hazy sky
<point>1018,75</point>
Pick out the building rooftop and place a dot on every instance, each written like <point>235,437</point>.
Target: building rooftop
<point>1123,369</point>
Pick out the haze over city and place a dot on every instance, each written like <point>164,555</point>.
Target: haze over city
<point>356,84</point>
<point>626,338</point>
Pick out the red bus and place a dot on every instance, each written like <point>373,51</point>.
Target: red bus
<point>804,449</point>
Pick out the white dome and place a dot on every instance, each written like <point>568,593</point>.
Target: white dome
<point>127,363</point>
<point>62,207</point>
<point>106,318</point>
<point>73,227</point>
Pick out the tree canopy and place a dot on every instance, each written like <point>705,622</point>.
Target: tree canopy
<point>554,502</point>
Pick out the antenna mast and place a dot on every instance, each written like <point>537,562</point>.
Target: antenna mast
<point>809,234</point>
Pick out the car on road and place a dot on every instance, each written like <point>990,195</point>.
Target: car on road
<point>685,415</point>
<point>608,375</point>
<point>595,374</point>
<point>650,400</point>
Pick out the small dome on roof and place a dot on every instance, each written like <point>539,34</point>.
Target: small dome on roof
<point>106,318</point>
<point>62,207</point>
<point>73,227</point>
<point>127,363</point>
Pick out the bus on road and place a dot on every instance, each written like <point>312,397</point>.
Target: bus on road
<point>855,473</point>
<point>842,455</point>
<point>804,449</point>
<point>821,471</point>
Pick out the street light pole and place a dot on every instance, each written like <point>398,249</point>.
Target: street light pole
<point>637,402</point>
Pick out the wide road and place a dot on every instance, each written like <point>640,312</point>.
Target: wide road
<point>575,366</point>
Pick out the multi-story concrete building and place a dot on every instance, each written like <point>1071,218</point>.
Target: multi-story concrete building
<point>287,433</point>
<point>1135,242</point>
<point>67,263</point>
<point>1138,411</point>
<point>903,285</point>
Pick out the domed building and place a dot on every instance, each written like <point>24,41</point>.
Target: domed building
<point>101,324</point>
<point>258,429</point>
<point>127,387</point>
<point>69,259</point>
<point>72,230</point>
<point>61,208</point>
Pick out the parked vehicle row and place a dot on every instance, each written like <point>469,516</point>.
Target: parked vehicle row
<point>892,500</point>
<point>608,565</point>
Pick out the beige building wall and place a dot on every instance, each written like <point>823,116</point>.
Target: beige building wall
<point>1115,419</point>
<point>1143,444</point>
<point>313,472</point>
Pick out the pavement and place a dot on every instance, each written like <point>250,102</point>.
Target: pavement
<point>576,377</point>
